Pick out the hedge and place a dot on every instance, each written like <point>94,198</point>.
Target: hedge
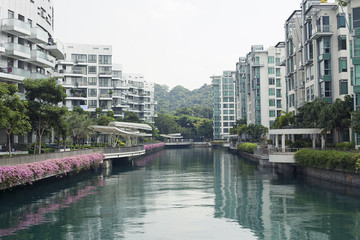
<point>328,159</point>
<point>247,147</point>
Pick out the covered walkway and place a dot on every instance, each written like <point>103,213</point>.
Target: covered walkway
<point>286,155</point>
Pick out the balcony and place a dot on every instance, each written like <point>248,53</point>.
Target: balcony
<point>17,51</point>
<point>13,74</point>
<point>57,50</point>
<point>38,36</point>
<point>41,59</point>
<point>15,27</point>
<point>321,31</point>
<point>36,75</point>
<point>105,74</point>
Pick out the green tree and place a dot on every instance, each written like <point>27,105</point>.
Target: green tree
<point>131,117</point>
<point>43,96</point>
<point>166,123</point>
<point>284,120</point>
<point>13,118</point>
<point>205,128</point>
<point>79,127</point>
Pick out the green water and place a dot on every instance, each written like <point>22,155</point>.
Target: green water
<point>181,194</point>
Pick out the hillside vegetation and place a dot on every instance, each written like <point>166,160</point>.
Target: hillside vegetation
<point>180,97</point>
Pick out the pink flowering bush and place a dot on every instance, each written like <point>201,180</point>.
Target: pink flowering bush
<point>27,173</point>
<point>153,146</point>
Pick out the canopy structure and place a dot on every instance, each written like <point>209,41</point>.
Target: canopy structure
<point>296,131</point>
<point>129,131</point>
<point>171,137</point>
<point>131,126</point>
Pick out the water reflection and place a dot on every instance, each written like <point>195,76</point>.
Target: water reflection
<point>181,194</point>
<point>274,207</point>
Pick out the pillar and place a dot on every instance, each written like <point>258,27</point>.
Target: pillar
<point>322,142</point>
<point>276,141</point>
<point>283,143</point>
<point>314,141</point>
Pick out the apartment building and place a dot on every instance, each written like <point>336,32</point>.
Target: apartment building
<point>93,81</point>
<point>317,53</point>
<point>353,25</point>
<point>27,45</point>
<point>242,69</point>
<point>224,103</point>
<point>265,81</point>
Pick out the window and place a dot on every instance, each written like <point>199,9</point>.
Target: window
<point>92,58</point>
<point>92,81</point>
<point>271,81</point>
<point>271,91</point>
<point>278,82</point>
<point>92,103</point>
<point>272,113</point>
<point>357,74</point>
<point>271,70</point>
<point>10,14</point>
<point>357,46</point>
<point>342,42</point>
<point>225,124</point>
<point>356,18</point>
<point>278,72</point>
<point>271,59</point>
<point>278,103</point>
<point>92,69</point>
<point>105,59</point>
<point>308,94</point>
<point>92,92</point>
<point>272,102</point>
<point>225,105</point>
<point>312,93</point>
<point>277,61</point>
<point>278,93</point>
<point>225,118</point>
<point>79,58</point>
<point>325,89</point>
<point>340,21</point>
<point>225,111</point>
<point>343,87</point>
<point>342,64</point>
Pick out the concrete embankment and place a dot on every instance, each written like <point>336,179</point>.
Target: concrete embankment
<point>331,176</point>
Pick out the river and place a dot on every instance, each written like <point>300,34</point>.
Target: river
<point>181,194</point>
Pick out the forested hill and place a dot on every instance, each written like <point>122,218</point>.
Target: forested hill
<point>179,97</point>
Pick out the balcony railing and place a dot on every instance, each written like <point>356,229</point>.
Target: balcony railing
<point>15,27</point>
<point>38,36</point>
<point>17,51</point>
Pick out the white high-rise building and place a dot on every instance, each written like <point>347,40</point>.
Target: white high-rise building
<point>93,81</point>
<point>317,53</point>
<point>224,103</point>
<point>265,81</point>
<point>27,45</point>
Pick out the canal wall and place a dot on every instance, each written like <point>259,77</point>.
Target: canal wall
<point>331,176</point>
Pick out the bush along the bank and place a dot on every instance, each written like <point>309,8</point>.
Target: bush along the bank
<point>247,147</point>
<point>27,173</point>
<point>329,159</point>
<point>153,146</point>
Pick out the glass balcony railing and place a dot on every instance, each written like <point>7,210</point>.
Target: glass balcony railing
<point>38,35</point>
<point>15,27</point>
<point>17,50</point>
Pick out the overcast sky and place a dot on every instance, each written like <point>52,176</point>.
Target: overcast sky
<point>174,42</point>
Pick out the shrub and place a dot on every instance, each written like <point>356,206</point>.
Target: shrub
<point>345,145</point>
<point>247,147</point>
<point>153,146</point>
<point>301,143</point>
<point>329,159</point>
<point>27,173</point>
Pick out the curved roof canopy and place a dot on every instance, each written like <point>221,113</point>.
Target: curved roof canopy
<point>132,126</point>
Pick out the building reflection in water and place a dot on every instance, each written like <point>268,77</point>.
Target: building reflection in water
<point>273,208</point>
